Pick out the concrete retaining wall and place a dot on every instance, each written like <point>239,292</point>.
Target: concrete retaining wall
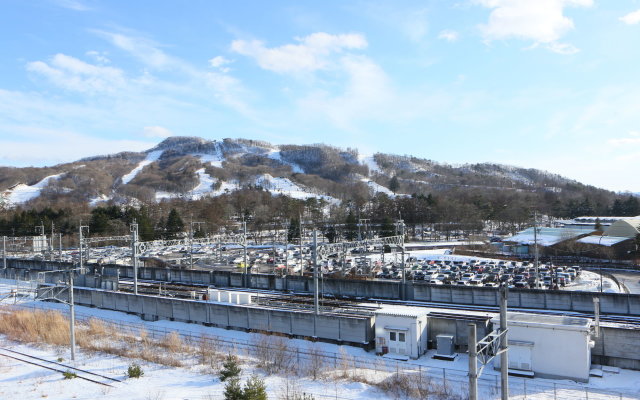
<point>349,329</point>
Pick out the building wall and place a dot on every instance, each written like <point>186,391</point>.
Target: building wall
<point>556,352</point>
<point>416,339</point>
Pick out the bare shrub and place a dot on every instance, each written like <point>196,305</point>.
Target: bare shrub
<point>316,362</point>
<point>207,350</point>
<point>272,353</point>
<point>290,390</point>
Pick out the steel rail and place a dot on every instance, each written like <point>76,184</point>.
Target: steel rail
<point>62,365</point>
<point>57,370</point>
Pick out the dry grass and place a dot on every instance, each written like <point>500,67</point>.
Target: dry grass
<point>35,327</point>
<point>406,386</point>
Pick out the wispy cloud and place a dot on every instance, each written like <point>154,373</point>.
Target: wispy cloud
<point>448,35</point>
<point>75,5</point>
<point>73,74</point>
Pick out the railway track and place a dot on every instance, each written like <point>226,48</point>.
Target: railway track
<point>57,366</point>
<point>306,299</point>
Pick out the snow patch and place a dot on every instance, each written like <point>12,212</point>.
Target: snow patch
<point>287,187</point>
<point>22,193</point>
<point>276,155</point>
<point>377,188</point>
<point>370,162</point>
<point>99,199</point>
<point>151,157</point>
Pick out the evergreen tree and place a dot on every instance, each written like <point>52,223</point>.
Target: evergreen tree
<point>233,390</point>
<point>230,368</point>
<point>294,230</point>
<point>174,224</point>
<point>255,389</point>
<point>351,227</point>
<point>394,185</point>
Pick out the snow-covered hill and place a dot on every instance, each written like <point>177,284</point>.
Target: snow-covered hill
<point>194,168</point>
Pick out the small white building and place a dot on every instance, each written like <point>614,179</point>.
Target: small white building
<point>401,332</point>
<point>548,346</point>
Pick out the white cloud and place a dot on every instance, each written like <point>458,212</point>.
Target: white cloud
<point>143,49</point>
<point>74,5</point>
<point>99,56</point>
<point>632,139</point>
<point>311,53</point>
<point>562,48</point>
<point>632,18</point>
<point>542,21</point>
<point>73,74</point>
<point>156,132</point>
<point>448,35</point>
<point>218,61</point>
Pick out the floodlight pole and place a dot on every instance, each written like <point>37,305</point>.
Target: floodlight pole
<point>4,252</point>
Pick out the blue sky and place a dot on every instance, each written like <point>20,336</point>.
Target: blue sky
<point>550,84</point>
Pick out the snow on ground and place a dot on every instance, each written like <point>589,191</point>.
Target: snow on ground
<point>376,188</point>
<point>25,381</point>
<point>151,157</point>
<point>205,185</point>
<point>590,282</point>
<point>370,162</point>
<point>287,187</point>
<point>275,155</point>
<point>99,199</point>
<point>22,193</point>
<point>214,159</point>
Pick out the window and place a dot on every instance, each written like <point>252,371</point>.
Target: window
<point>392,336</point>
<point>401,336</point>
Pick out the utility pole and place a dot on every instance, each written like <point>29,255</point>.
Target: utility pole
<point>72,315</point>
<point>60,246</point>
<point>316,297</point>
<point>489,347</point>
<point>473,363</point>
<point>4,252</point>
<point>404,277</point>
<point>244,256</point>
<point>43,239</point>
<point>51,242</point>
<point>134,254</point>
<point>301,257</point>
<point>504,344</point>
<point>535,240</point>
<point>191,241</point>
<point>81,240</point>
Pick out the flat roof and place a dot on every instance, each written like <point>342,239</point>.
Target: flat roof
<point>546,321</point>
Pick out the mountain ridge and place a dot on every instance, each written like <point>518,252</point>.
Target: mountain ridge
<point>183,167</point>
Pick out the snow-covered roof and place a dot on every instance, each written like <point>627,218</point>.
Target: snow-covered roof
<point>603,240</point>
<point>547,236</point>
<point>402,311</point>
<point>545,321</point>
